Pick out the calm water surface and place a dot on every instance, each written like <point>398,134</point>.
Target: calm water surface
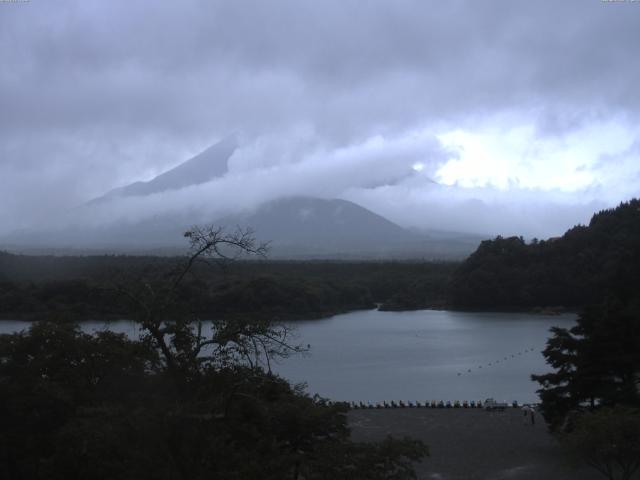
<point>421,355</point>
<point>424,355</point>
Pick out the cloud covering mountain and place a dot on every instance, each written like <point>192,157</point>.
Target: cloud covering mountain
<point>520,112</point>
<point>209,164</point>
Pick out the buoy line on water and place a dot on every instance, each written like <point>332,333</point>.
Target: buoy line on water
<point>503,360</point>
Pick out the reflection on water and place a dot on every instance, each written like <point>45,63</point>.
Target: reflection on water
<point>421,355</point>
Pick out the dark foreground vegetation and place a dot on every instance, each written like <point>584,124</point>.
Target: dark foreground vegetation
<point>591,400</point>
<point>181,403</point>
<point>105,407</point>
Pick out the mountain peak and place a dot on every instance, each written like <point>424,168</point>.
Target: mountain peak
<point>323,224</point>
<point>207,165</point>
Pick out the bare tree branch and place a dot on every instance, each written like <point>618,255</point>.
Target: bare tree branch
<point>179,337</point>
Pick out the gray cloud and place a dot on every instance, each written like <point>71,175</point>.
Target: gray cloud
<point>99,94</point>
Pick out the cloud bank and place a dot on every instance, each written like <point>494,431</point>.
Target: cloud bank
<point>516,110</point>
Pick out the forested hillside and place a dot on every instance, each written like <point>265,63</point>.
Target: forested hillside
<point>579,268</point>
<point>81,288</point>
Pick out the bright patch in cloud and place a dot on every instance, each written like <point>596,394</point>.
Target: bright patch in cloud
<point>598,155</point>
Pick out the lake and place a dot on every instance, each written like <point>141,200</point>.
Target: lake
<point>420,355</point>
<point>424,355</point>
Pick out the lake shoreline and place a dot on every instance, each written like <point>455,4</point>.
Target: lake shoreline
<point>546,311</point>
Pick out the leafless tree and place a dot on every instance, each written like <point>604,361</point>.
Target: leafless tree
<point>180,335</point>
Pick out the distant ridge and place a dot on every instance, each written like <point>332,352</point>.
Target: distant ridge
<point>295,227</point>
<point>308,227</point>
<point>207,165</point>
<point>322,224</point>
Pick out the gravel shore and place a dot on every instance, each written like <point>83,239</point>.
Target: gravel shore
<point>472,444</point>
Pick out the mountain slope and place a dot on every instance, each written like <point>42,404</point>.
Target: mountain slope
<point>209,164</point>
<point>297,228</point>
<point>304,227</point>
<point>322,225</point>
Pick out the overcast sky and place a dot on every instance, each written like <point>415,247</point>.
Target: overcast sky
<point>487,116</point>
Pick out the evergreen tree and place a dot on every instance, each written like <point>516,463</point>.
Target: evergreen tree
<point>596,363</point>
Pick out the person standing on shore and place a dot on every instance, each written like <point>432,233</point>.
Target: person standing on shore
<point>525,413</point>
<point>532,414</point>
